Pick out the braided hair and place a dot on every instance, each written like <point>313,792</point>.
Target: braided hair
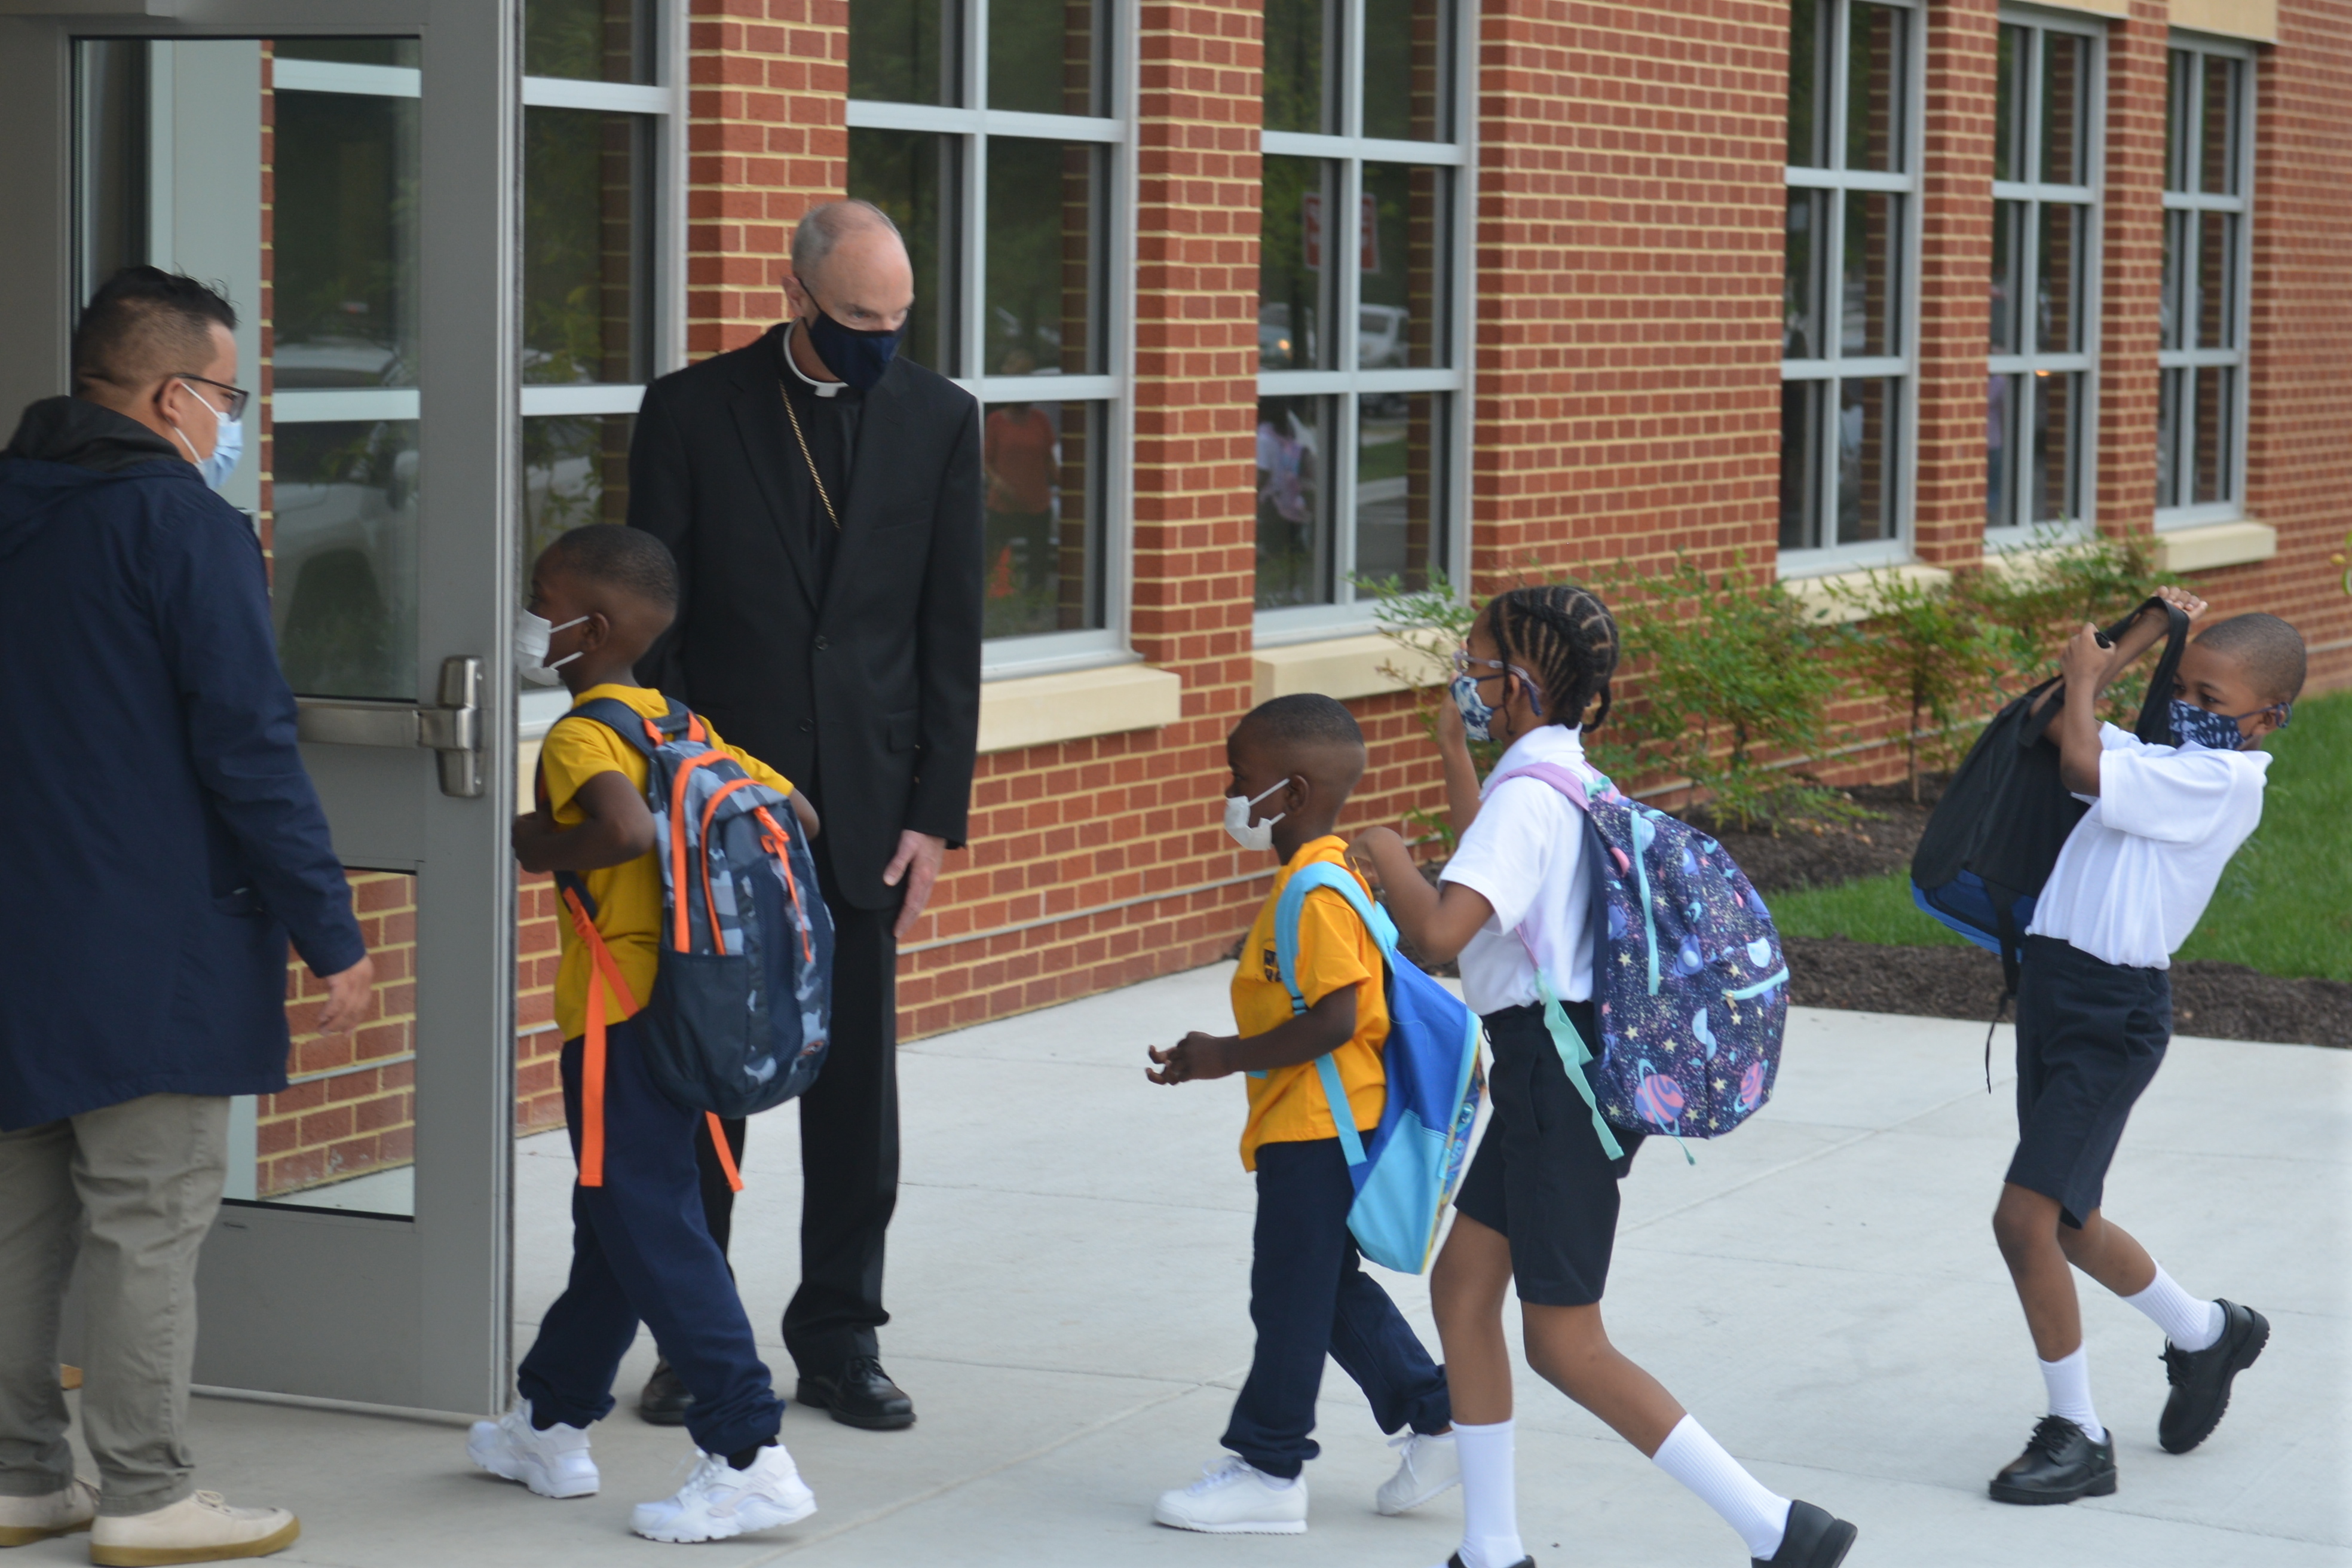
<point>1567,637</point>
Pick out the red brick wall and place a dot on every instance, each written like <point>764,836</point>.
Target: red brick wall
<point>1955,266</point>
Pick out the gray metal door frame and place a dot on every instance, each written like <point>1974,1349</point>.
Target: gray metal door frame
<point>309,1302</point>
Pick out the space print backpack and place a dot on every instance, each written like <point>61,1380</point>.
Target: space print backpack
<point>1689,984</point>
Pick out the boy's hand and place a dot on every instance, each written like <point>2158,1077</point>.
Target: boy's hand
<point>2085,662</point>
<point>531,831</point>
<point>1196,1055</point>
<point>2182,598</point>
<point>798,802</point>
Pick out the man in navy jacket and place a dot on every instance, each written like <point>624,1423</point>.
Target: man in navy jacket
<point>159,841</point>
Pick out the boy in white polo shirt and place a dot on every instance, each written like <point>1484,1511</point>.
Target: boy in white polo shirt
<point>2094,1015</point>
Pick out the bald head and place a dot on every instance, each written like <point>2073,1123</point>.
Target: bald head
<point>848,263</point>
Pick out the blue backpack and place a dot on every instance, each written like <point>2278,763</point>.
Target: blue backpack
<point>1408,1174</point>
<point>1690,988</point>
<point>741,1004</point>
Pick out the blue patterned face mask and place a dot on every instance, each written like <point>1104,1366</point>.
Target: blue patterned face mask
<point>2197,726</point>
<point>1476,714</point>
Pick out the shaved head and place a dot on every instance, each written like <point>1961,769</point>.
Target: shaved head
<point>824,226</point>
<point>2265,647</point>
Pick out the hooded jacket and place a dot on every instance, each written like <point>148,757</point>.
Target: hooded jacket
<point>159,838</point>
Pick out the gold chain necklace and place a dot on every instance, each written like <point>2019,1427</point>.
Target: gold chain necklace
<point>792,415</point>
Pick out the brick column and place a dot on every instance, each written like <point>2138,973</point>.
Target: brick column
<point>2131,268</point>
<point>1955,274</point>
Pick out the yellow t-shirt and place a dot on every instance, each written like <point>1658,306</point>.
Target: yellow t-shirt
<point>627,897</point>
<point>1287,1105</point>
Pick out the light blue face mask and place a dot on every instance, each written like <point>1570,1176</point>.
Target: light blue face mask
<point>228,446</point>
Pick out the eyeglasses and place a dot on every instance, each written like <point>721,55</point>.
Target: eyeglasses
<point>237,396</point>
<point>1463,661</point>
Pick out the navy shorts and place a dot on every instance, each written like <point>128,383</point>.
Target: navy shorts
<point>1540,1177</point>
<point>2090,1036</point>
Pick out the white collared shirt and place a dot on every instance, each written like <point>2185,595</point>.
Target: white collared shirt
<point>821,388</point>
<point>1525,854</point>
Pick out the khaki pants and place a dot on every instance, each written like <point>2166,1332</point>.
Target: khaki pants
<point>133,1188</point>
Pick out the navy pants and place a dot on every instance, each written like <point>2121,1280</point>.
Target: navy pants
<point>641,1253</point>
<point>1310,1298</point>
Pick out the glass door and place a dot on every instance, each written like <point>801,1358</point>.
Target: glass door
<point>362,1253</point>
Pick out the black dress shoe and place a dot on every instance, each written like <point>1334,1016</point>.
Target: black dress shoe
<point>2059,1464</point>
<point>664,1400</point>
<point>2201,1379</point>
<point>858,1393</point>
<point>1815,1538</point>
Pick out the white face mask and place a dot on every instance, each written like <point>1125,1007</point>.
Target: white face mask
<point>531,636</point>
<point>1247,834</point>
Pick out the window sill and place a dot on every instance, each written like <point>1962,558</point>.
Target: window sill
<point>1823,600</point>
<point>2213,544</point>
<point>1336,667</point>
<point>1072,705</point>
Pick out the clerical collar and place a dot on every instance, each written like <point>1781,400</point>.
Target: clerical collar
<point>821,388</point>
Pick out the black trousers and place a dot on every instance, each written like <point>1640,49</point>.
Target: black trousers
<point>850,1147</point>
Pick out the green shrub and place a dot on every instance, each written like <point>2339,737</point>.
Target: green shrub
<point>2063,581</point>
<point>1929,653</point>
<point>1426,625</point>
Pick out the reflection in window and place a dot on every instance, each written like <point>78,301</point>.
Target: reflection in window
<point>1043,250</point>
<point>575,471</point>
<point>904,51</point>
<point>404,54</point>
<point>1046,57</point>
<point>1302,61</point>
<point>344,238</point>
<point>589,40</point>
<point>1294,561</point>
<point>1043,517</point>
<point>343,568</point>
<point>911,174</point>
<point>1298,195</point>
<point>1408,240</point>
<point>1401,447</point>
<point>2202,338</point>
<point>1408,69</point>
<point>587,272</point>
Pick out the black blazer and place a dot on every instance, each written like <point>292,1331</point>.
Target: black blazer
<point>866,695</point>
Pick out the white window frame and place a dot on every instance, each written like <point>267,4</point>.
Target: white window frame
<point>1351,150</point>
<point>1902,368</point>
<point>2090,196</point>
<point>1046,652</point>
<point>2232,506</point>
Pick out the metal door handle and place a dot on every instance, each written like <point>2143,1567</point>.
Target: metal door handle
<point>454,729</point>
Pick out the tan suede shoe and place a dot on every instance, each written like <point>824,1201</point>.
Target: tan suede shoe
<point>24,1520</point>
<point>199,1528</point>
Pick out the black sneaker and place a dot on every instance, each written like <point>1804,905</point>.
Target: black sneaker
<point>1456,1561</point>
<point>2201,1379</point>
<point>858,1393</point>
<point>1815,1538</point>
<point>2059,1464</point>
<point>665,1398</point>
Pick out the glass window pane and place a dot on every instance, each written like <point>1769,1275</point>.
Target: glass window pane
<point>2213,433</point>
<point>1047,56</point>
<point>1872,263</point>
<point>1865,461</point>
<point>1400,486</point>
<point>343,236</point>
<point>912,175</point>
<point>2172,309</point>
<point>1408,69</point>
<point>1294,534</point>
<point>1801,463</point>
<point>2058,280</point>
<point>2004,395</point>
<point>587,232</point>
<point>2180,95</point>
<point>906,51</point>
<point>1045,248</point>
<point>590,40</point>
<point>2217,169</point>
<point>1406,242</point>
<point>2171,384</point>
<point>1875,87</point>
<point>1043,563</point>
<point>1801,284</point>
<point>2051,484</point>
<point>408,54</point>
<point>1808,119</point>
<point>2008,273</point>
<point>1302,53</point>
<point>575,471</point>
<point>343,557</point>
<point>111,151</point>
<point>1292,285</point>
<point>2217,273</point>
<point>2065,71</point>
<point>2010,96</point>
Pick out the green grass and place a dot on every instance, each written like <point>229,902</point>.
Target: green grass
<point>2285,906</point>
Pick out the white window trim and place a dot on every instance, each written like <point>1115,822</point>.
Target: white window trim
<point>2232,507</point>
<point>2092,198</point>
<point>1346,615</point>
<point>1048,653</point>
<point>1903,368</point>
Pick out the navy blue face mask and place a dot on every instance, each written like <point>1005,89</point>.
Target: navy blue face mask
<point>2195,726</point>
<point>858,358</point>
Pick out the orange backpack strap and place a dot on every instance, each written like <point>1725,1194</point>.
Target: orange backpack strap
<point>725,1156</point>
<point>592,1062</point>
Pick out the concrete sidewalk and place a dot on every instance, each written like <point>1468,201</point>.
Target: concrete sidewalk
<point>1070,1273</point>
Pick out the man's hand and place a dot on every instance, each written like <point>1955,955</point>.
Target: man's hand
<point>1196,1055</point>
<point>918,863</point>
<point>347,998</point>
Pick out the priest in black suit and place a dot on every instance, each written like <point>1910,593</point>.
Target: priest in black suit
<point>822,498</point>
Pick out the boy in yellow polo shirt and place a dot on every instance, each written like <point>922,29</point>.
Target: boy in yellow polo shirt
<point>1294,761</point>
<point>640,1251</point>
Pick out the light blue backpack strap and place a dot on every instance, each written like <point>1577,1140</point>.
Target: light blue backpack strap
<point>1573,1054</point>
<point>1335,1094</point>
<point>1286,912</point>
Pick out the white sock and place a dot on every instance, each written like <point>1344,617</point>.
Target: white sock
<point>1699,1462</point>
<point>1490,1503</point>
<point>2069,1381</point>
<point>2188,1322</point>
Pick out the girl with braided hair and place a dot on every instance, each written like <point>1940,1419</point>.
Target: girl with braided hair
<point>1538,1207</point>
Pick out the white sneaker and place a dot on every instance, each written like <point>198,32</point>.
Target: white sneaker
<point>24,1520</point>
<point>1429,1465</point>
<point>718,1500</point>
<point>1234,1496</point>
<point>199,1528</point>
<point>553,1463</point>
